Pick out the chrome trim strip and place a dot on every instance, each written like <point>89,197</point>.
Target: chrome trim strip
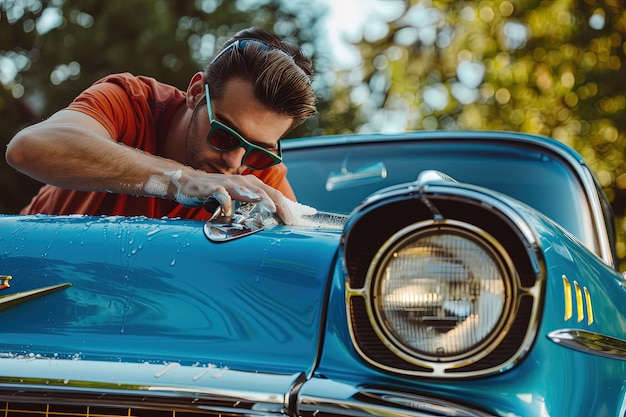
<point>208,383</point>
<point>604,244</point>
<point>590,342</point>
<point>11,300</point>
<point>339,399</point>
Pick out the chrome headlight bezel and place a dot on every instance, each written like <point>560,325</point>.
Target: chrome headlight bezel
<point>375,278</point>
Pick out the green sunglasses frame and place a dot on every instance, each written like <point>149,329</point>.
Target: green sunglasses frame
<point>243,143</point>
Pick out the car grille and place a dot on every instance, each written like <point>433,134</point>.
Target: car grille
<point>75,404</point>
<point>56,410</point>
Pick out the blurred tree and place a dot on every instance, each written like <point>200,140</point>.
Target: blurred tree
<point>52,50</point>
<point>555,68</point>
<point>550,67</point>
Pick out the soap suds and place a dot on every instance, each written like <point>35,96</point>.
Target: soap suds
<point>299,211</point>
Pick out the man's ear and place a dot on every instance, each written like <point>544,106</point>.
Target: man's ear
<point>195,90</point>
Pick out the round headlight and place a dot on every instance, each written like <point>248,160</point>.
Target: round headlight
<point>440,292</point>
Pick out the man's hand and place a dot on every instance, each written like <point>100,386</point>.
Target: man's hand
<point>74,151</point>
<point>193,189</point>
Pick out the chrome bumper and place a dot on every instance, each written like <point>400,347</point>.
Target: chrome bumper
<point>323,397</point>
<point>62,387</point>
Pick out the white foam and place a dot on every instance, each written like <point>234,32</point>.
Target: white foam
<point>299,210</point>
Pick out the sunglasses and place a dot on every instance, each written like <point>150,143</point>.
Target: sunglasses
<point>224,138</point>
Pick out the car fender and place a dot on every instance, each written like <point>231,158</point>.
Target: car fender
<point>162,283</point>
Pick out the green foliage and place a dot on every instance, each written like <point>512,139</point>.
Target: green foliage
<point>51,50</point>
<point>555,68</point>
<point>549,67</point>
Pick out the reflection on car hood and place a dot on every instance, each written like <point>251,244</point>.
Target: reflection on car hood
<point>145,290</point>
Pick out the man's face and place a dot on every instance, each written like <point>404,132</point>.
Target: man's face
<point>239,110</point>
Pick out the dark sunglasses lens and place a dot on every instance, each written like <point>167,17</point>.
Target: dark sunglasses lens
<point>258,159</point>
<point>255,158</point>
<point>223,140</point>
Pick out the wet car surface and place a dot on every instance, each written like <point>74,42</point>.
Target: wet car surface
<point>462,274</point>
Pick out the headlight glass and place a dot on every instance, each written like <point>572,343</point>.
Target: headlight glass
<point>441,293</point>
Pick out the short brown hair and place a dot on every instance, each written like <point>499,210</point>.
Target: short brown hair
<point>281,75</point>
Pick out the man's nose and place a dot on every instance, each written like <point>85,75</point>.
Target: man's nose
<point>234,158</point>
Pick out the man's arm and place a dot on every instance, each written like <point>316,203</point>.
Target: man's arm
<point>74,151</point>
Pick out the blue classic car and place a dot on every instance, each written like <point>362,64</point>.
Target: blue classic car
<point>443,274</point>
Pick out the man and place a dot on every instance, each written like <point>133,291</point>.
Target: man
<point>129,145</point>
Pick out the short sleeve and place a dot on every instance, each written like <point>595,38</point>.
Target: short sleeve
<point>109,104</point>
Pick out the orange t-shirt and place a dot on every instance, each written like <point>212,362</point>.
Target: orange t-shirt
<point>136,111</point>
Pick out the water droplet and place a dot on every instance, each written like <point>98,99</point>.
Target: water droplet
<point>167,368</point>
<point>200,375</point>
<point>153,231</point>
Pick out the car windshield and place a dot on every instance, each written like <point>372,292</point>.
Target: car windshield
<point>337,178</point>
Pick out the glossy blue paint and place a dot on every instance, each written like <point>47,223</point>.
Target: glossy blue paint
<point>160,291</point>
<point>155,308</point>
<point>549,381</point>
<point>540,172</point>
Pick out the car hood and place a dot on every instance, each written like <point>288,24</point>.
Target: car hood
<point>152,291</point>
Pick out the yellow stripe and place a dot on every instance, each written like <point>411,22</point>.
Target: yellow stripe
<point>579,302</point>
<point>567,293</point>
<point>589,307</point>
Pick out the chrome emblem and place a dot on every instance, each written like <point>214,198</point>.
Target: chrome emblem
<point>5,281</point>
<point>11,300</point>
